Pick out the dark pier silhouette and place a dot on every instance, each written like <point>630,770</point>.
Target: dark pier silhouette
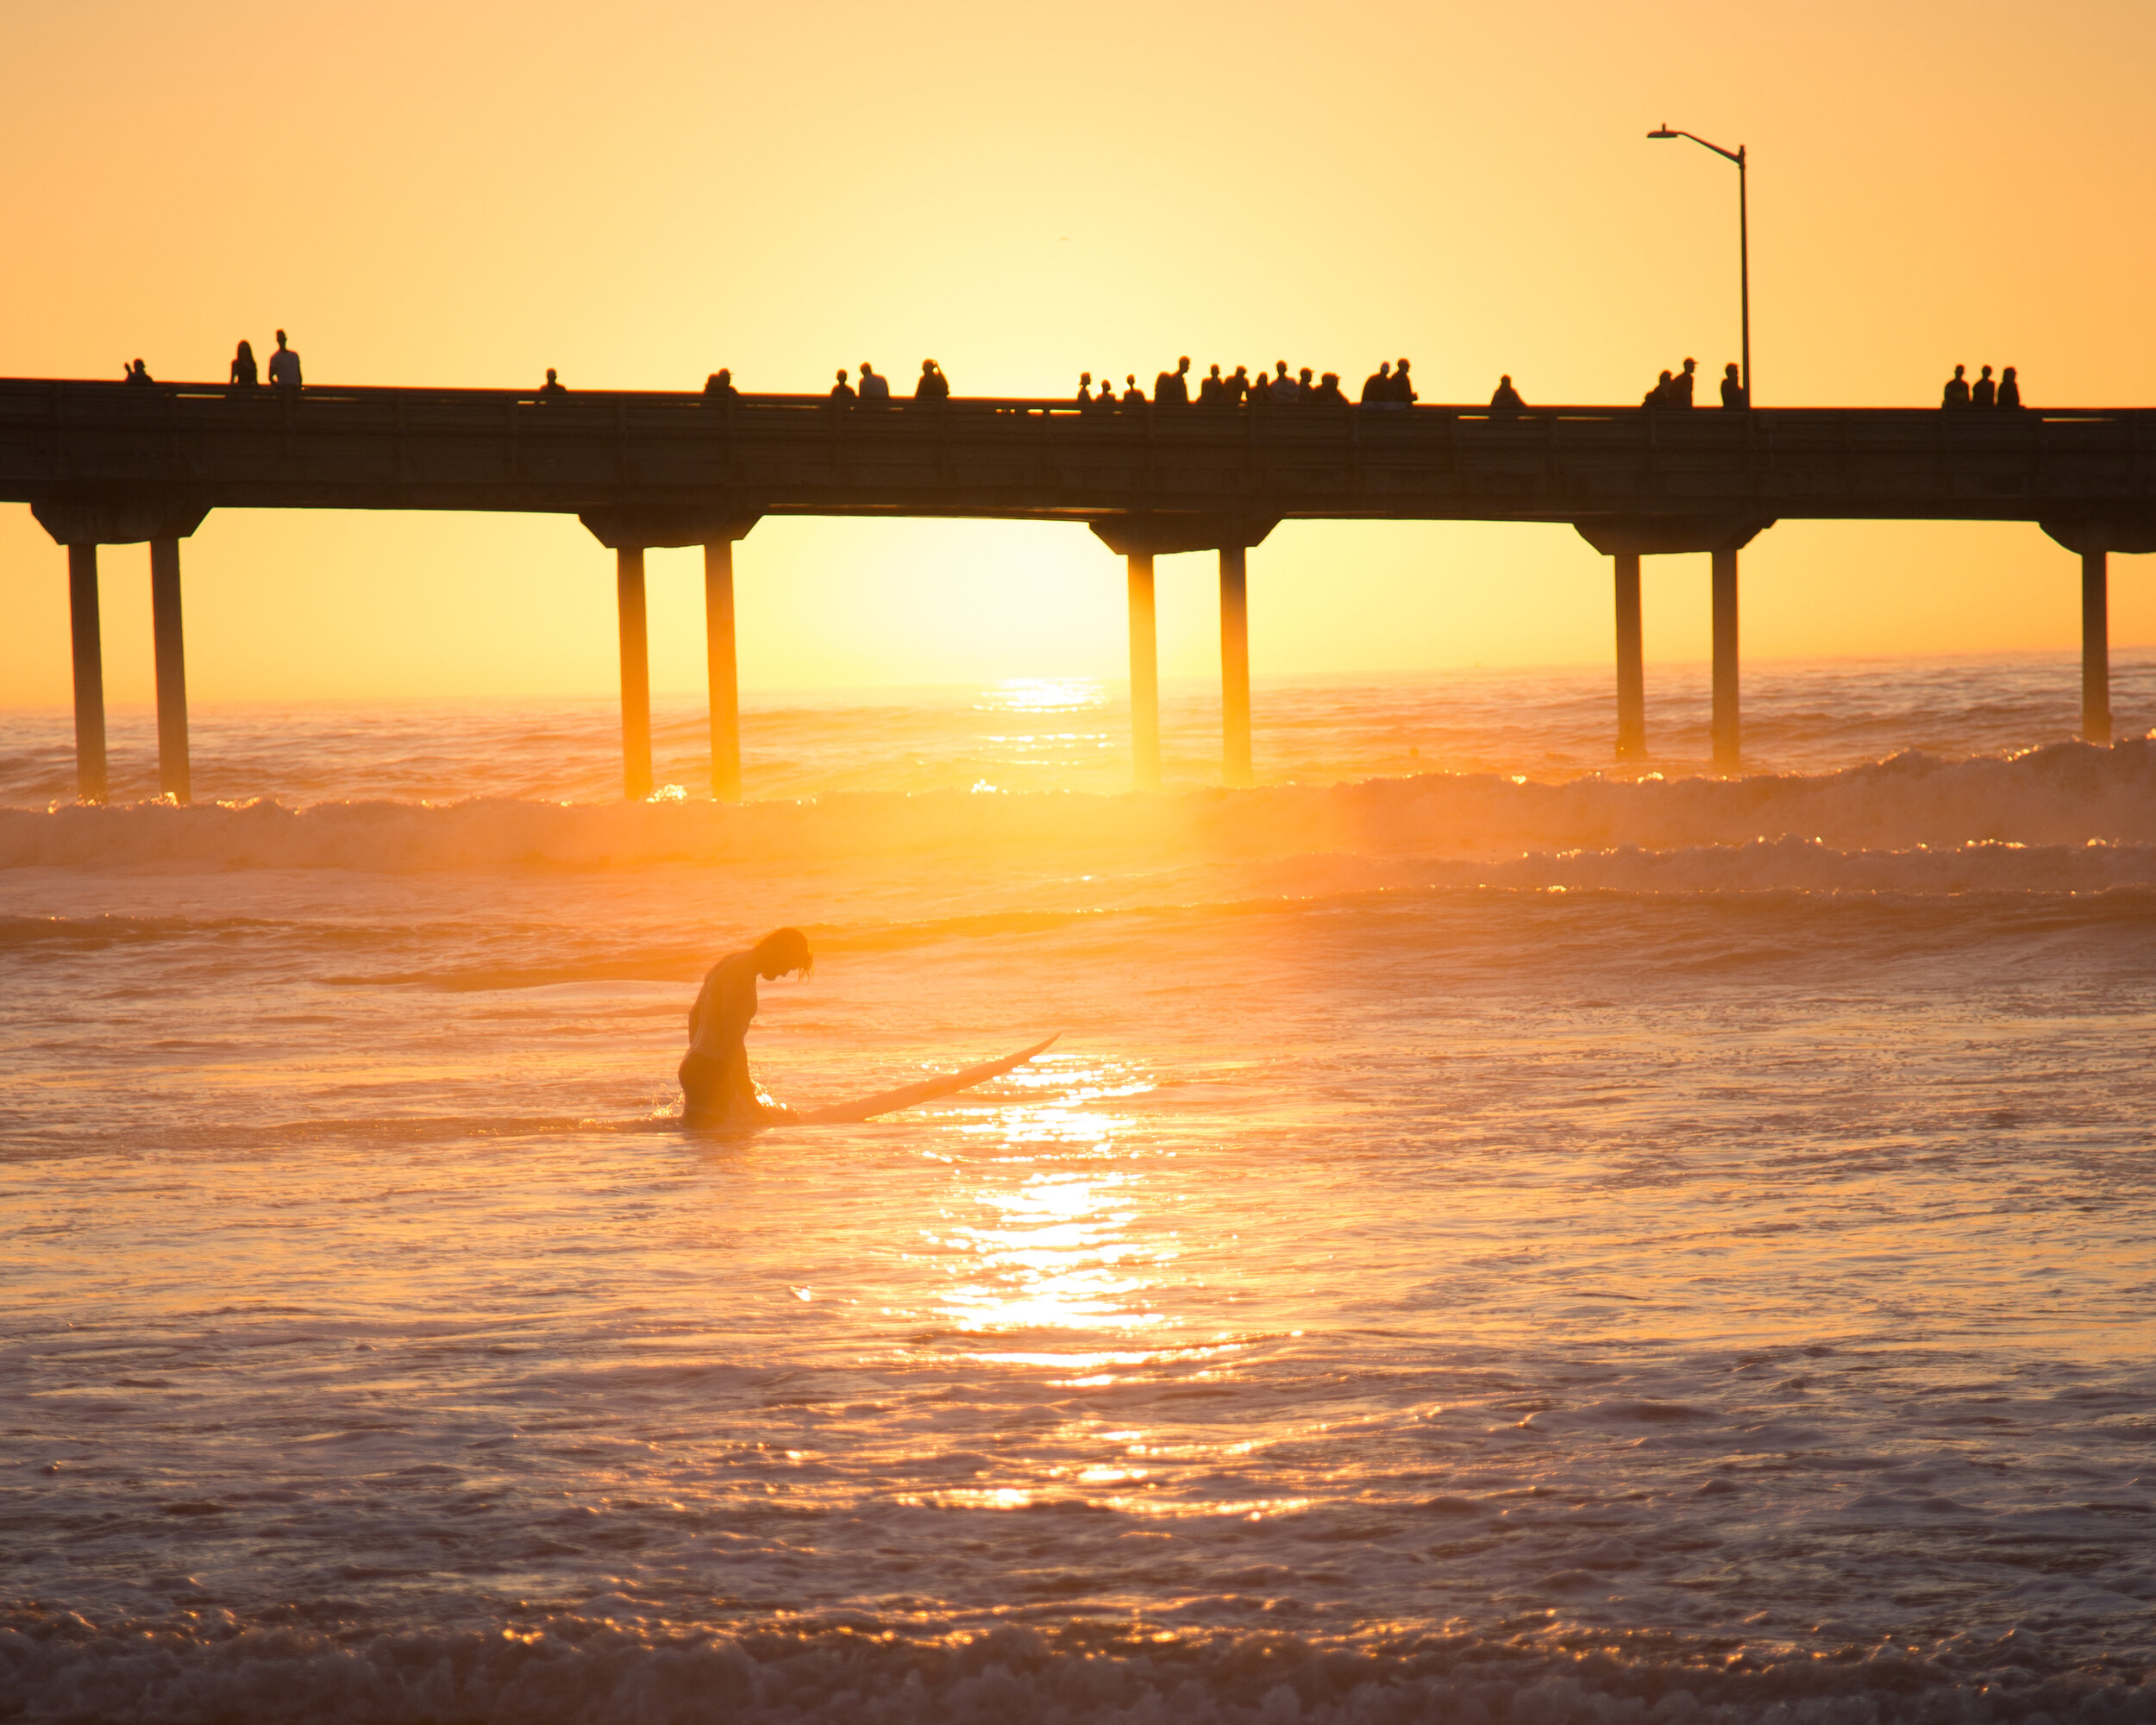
<point>118,463</point>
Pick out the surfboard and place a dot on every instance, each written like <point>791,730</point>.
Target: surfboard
<point>907,1096</point>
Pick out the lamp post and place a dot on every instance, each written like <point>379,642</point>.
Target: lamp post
<point>1743,237</point>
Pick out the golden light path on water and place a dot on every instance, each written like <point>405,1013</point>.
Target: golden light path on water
<point>1056,1247</point>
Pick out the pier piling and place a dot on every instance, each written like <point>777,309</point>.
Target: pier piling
<point>636,675</point>
<point>174,778</point>
<point>1726,726</point>
<point>1632,680</point>
<point>2096,647</point>
<point>1235,664</point>
<point>721,669</point>
<point>87,638</point>
<point>1145,674</point>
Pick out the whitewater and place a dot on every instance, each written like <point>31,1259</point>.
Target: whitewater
<point>1501,1238</point>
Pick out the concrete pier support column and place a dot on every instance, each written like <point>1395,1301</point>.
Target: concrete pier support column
<point>1726,727</point>
<point>174,776</point>
<point>2096,647</point>
<point>1145,674</point>
<point>721,669</point>
<point>636,675</point>
<point>89,673</point>
<point>1235,664</point>
<point>1632,680</point>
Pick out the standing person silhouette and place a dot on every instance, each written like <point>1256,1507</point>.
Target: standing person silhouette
<point>1957,392</point>
<point>875,388</point>
<point>1133,395</point>
<point>842,390</point>
<point>1734,396</point>
<point>1377,387</point>
<point>716,1089</point>
<point>1984,393</point>
<point>1403,389</point>
<point>933,385</point>
<point>1679,393</point>
<point>1505,396</point>
<point>1171,388</point>
<point>283,365</point>
<point>2009,388</point>
<point>243,372</point>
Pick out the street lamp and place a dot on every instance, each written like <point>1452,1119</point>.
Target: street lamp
<point>1743,237</point>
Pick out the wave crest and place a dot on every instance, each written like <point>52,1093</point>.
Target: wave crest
<point>1946,825</point>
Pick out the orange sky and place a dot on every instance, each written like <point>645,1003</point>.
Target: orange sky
<point>468,193</point>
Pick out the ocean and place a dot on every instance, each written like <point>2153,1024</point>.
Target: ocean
<point>1499,1239</point>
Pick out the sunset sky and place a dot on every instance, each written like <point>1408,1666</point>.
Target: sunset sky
<point>465,194</point>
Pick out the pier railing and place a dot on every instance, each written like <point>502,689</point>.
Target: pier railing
<point>1030,459</point>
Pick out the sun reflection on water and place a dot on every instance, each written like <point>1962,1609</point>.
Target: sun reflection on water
<point>1053,1259</point>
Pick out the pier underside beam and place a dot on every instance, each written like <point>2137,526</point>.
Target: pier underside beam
<point>721,669</point>
<point>1627,538</point>
<point>174,777</point>
<point>2093,537</point>
<point>1631,680</point>
<point>636,673</point>
<point>1235,665</point>
<point>86,636</point>
<point>1145,674</point>
<point>1726,722</point>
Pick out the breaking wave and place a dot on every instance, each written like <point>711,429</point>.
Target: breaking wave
<point>2065,818</point>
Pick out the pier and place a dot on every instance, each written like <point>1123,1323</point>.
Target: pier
<point>104,463</point>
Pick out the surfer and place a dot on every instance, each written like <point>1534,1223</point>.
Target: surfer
<point>715,1088</point>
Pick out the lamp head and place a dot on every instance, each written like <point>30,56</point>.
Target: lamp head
<point>1663,131</point>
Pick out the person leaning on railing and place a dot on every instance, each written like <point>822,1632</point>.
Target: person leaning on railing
<point>1170,389</point>
<point>933,385</point>
<point>283,365</point>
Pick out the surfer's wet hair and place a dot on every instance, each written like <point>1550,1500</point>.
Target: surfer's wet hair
<point>783,949</point>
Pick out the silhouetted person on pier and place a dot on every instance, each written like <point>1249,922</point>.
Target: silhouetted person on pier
<point>1403,389</point>
<point>1377,387</point>
<point>1330,393</point>
<point>1084,389</point>
<point>842,390</point>
<point>1659,395</point>
<point>1286,392</point>
<point>1212,392</point>
<point>1734,396</point>
<point>1169,389</point>
<point>1505,397</point>
<point>243,372</point>
<point>2010,389</point>
<point>933,385</point>
<point>1106,397</point>
<point>137,373</point>
<point>716,1089</point>
<point>551,390</point>
<point>1304,386</point>
<point>1258,390</point>
<point>1956,393</point>
<point>284,366</point>
<point>875,388</point>
<point>1680,390</point>
<point>1133,395</point>
<point>719,387</point>
<point>1984,393</point>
